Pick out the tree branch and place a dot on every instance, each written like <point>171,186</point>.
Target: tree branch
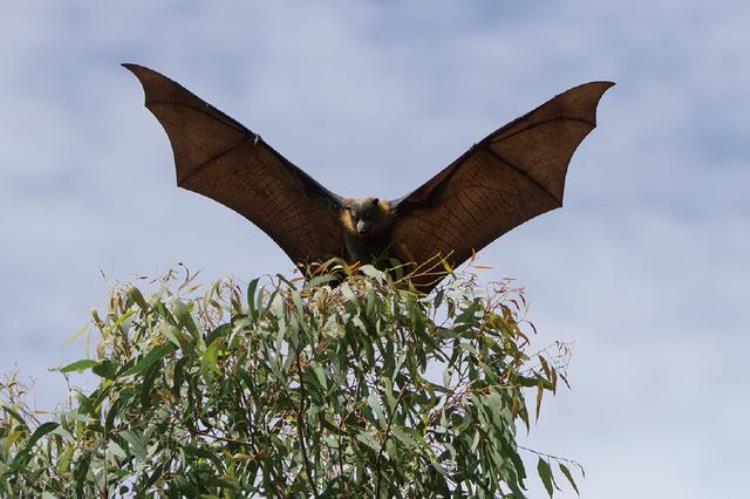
<point>300,422</point>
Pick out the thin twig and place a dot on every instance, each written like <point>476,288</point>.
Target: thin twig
<point>388,433</point>
<point>300,422</point>
<point>551,456</point>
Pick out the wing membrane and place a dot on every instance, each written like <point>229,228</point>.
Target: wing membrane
<point>218,157</point>
<point>513,175</point>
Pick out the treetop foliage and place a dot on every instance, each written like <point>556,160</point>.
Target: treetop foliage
<point>281,389</point>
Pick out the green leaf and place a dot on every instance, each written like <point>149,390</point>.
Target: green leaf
<point>407,436</point>
<point>116,450</point>
<point>135,295</point>
<point>319,280</point>
<point>178,377</point>
<point>40,432</point>
<point>172,334</point>
<point>63,462</point>
<point>116,407</point>
<point>526,381</point>
<point>439,299</point>
<point>367,439</point>
<point>209,362</point>
<point>149,378</point>
<point>204,454</point>
<point>388,393</point>
<point>224,482</point>
<point>105,369</point>
<point>155,355</point>
<point>299,306</point>
<point>374,403</point>
<point>539,394</point>
<point>184,316</point>
<point>15,415</point>
<point>372,272</point>
<point>219,332</point>
<point>136,445</point>
<point>475,441</point>
<point>346,290</point>
<point>320,375</point>
<point>565,471</point>
<point>80,473</point>
<point>252,304</point>
<point>468,315</point>
<point>545,473</point>
<point>78,366</point>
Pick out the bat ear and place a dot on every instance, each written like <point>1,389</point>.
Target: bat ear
<point>375,201</point>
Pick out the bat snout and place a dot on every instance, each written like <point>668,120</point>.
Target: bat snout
<point>363,227</point>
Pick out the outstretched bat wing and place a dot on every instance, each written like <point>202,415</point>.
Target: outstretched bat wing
<point>513,175</point>
<point>218,157</point>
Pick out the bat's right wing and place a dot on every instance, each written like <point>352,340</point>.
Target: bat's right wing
<point>513,175</point>
<point>218,157</point>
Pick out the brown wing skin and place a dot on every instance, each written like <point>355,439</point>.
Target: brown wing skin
<point>513,175</point>
<point>218,157</point>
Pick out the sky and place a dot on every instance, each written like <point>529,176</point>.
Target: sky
<point>644,269</point>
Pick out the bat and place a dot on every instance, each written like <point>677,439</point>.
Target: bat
<point>514,174</point>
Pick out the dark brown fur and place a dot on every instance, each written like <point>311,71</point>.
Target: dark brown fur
<point>372,242</point>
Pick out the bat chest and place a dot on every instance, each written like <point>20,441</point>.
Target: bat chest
<point>365,249</point>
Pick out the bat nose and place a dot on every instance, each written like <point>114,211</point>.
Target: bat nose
<point>362,227</point>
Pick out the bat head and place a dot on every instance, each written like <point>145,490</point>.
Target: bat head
<point>365,216</point>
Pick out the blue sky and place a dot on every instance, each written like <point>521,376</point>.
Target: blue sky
<point>645,267</point>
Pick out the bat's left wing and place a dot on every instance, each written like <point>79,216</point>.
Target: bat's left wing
<point>218,157</point>
<point>513,175</point>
